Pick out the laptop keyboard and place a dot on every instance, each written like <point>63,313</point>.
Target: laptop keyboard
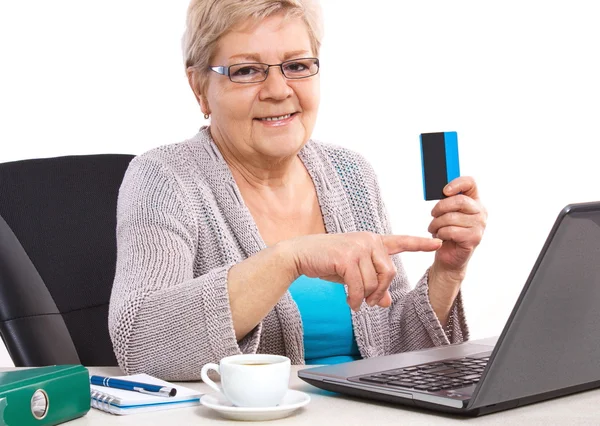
<point>434,376</point>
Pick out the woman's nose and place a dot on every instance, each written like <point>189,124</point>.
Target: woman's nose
<point>275,86</point>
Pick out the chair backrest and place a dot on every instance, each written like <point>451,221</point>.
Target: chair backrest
<point>57,257</point>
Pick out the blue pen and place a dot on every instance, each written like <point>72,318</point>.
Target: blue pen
<point>146,388</point>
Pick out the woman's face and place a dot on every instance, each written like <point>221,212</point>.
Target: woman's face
<point>238,111</point>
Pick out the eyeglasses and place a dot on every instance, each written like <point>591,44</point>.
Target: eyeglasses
<point>256,72</point>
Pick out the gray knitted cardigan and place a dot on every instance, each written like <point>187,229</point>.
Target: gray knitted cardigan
<point>182,223</point>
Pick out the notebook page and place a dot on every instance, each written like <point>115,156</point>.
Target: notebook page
<point>124,398</point>
<point>113,409</point>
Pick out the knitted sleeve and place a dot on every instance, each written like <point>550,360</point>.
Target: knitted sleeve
<point>412,322</point>
<point>163,320</point>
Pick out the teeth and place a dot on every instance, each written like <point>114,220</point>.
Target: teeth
<point>281,117</point>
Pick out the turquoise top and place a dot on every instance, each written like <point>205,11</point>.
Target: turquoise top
<point>326,319</point>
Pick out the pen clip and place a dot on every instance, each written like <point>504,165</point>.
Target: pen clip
<point>161,392</point>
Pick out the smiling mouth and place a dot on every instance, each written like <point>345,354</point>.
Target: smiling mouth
<point>281,117</point>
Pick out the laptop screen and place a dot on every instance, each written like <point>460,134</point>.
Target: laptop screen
<point>552,338</point>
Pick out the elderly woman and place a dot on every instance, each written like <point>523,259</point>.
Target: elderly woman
<point>237,240</point>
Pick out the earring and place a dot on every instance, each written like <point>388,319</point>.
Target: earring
<point>206,116</point>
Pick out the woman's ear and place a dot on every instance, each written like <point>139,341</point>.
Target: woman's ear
<point>195,82</point>
<point>204,105</point>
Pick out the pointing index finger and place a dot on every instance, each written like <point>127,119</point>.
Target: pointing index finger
<point>400,243</point>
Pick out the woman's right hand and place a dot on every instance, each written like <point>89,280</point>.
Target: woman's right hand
<point>361,260</point>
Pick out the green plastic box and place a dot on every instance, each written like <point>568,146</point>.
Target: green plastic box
<point>44,395</point>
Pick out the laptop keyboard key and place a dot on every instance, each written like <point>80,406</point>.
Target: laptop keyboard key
<point>402,384</point>
<point>441,370</point>
<point>471,377</point>
<point>421,387</point>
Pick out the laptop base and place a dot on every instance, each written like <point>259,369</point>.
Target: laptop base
<point>463,412</point>
<point>397,400</point>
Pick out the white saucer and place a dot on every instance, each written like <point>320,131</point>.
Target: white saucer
<point>292,400</point>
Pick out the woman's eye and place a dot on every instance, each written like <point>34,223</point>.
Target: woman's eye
<point>296,67</point>
<point>246,71</point>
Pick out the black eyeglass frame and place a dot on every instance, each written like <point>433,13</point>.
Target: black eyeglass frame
<point>223,70</point>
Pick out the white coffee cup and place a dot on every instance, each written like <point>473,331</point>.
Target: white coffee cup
<point>251,380</point>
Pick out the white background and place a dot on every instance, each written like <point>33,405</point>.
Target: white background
<point>518,81</point>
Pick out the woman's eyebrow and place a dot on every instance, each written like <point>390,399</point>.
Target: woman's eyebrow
<point>255,57</point>
<point>295,54</point>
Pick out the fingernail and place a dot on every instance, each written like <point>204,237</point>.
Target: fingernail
<point>448,188</point>
<point>371,303</point>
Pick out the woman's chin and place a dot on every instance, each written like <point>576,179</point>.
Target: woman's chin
<point>280,147</point>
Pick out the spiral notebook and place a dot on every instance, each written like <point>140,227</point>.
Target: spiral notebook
<point>118,401</point>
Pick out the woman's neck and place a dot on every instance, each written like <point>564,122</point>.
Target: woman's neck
<point>262,173</point>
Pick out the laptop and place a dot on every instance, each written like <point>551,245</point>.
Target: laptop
<point>549,347</point>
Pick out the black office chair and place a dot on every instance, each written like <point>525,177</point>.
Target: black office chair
<point>57,257</point>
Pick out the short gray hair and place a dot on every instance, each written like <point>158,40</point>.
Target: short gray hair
<point>208,20</point>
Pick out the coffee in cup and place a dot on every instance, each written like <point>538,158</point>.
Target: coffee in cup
<point>251,380</point>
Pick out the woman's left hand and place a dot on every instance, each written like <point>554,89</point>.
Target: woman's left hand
<point>459,221</point>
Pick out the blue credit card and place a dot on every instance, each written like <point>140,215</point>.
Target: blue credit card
<point>439,162</point>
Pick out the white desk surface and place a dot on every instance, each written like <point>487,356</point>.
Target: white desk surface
<point>331,409</point>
